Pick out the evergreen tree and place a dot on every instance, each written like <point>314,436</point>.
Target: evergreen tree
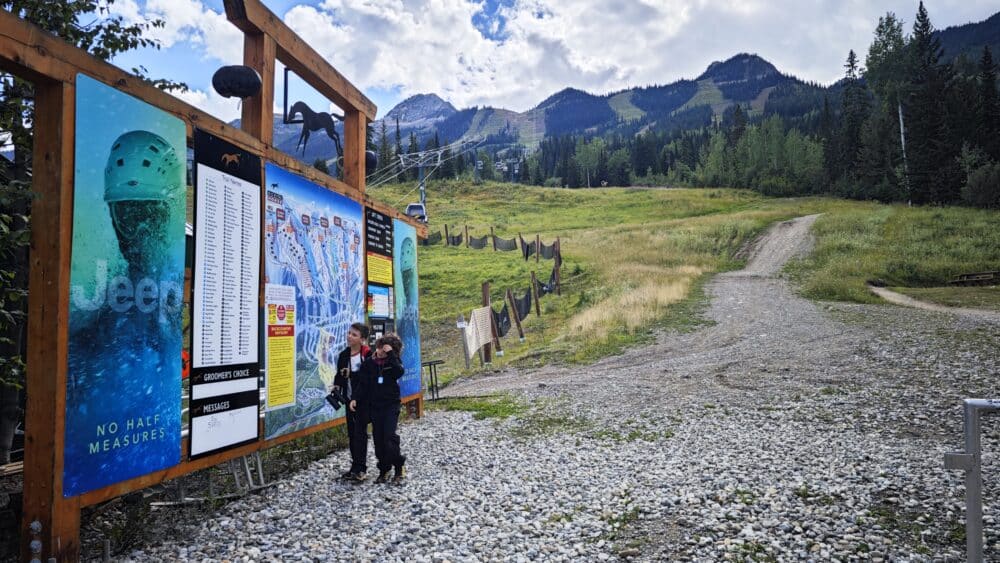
<point>854,111</point>
<point>932,177</point>
<point>987,113</point>
<point>397,149</point>
<point>385,160</point>
<point>447,169</point>
<point>738,125</point>
<point>413,148</point>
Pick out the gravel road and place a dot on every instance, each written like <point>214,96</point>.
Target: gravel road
<point>783,430</point>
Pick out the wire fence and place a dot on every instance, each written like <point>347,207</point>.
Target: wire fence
<point>487,325</point>
<point>454,236</point>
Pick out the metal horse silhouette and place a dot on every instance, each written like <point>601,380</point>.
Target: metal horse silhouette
<point>314,121</point>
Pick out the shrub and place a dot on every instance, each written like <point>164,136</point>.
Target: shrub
<point>983,187</point>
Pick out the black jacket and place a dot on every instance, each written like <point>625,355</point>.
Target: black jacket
<point>370,391</point>
<point>344,368</point>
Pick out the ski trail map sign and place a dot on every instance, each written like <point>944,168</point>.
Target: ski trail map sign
<point>225,389</point>
<point>123,389</point>
<point>312,242</point>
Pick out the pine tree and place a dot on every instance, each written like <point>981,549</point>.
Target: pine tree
<point>398,148</point>
<point>413,148</point>
<point>854,111</point>
<point>987,112</point>
<point>738,125</point>
<point>384,148</point>
<point>933,173</point>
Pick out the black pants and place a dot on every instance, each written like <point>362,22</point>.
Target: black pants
<point>357,439</point>
<point>385,418</point>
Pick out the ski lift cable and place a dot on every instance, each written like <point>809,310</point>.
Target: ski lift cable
<point>428,175</point>
<point>382,180</point>
<point>380,177</point>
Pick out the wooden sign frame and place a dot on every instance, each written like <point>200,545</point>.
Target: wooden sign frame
<point>52,65</point>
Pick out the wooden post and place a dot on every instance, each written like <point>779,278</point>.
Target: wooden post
<point>495,333</point>
<point>259,52</point>
<point>493,237</point>
<point>47,516</point>
<point>558,264</point>
<point>514,314</point>
<point>536,293</point>
<point>520,241</point>
<point>447,239</point>
<point>355,126</point>
<point>538,248</point>
<point>466,236</point>
<point>487,349</point>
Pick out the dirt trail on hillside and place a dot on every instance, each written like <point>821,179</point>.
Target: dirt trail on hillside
<point>906,300</point>
<point>758,324</point>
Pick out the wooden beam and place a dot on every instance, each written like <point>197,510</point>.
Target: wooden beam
<point>355,126</point>
<point>258,111</point>
<point>48,329</point>
<point>254,18</point>
<point>34,54</point>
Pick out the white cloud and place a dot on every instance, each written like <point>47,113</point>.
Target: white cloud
<point>188,21</point>
<point>226,109</point>
<point>420,46</point>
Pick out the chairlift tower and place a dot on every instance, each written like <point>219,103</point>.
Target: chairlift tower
<point>420,160</point>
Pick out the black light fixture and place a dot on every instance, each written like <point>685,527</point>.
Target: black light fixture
<point>236,80</point>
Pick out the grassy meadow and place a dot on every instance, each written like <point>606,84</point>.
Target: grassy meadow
<point>635,260</point>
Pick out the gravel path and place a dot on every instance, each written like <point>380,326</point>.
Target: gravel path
<point>785,430</point>
<point>900,299</point>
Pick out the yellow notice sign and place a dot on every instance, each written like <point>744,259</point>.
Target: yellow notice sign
<point>379,269</point>
<point>280,346</point>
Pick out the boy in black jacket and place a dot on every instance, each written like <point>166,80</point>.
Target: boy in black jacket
<point>347,379</point>
<point>378,392</point>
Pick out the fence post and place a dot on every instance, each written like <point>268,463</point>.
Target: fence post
<point>493,237</point>
<point>462,326</point>
<point>487,349</point>
<point>538,247</point>
<point>515,314</point>
<point>447,238</point>
<point>558,261</point>
<point>534,290</point>
<point>466,236</point>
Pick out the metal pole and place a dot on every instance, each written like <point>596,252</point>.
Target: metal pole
<point>462,326</point>
<point>487,349</point>
<point>970,461</point>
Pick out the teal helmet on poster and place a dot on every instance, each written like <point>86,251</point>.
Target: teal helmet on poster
<point>143,183</point>
<point>142,166</point>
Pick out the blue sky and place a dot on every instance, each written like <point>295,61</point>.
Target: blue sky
<point>515,53</point>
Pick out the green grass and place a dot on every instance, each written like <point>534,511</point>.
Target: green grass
<point>956,296</point>
<point>637,260</point>
<point>898,245</point>
<point>624,108</point>
<point>500,406</point>
<point>708,94</point>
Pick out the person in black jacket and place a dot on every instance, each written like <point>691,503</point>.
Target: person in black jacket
<point>348,369</point>
<point>378,392</point>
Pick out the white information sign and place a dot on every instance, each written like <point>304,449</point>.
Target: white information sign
<point>227,258</point>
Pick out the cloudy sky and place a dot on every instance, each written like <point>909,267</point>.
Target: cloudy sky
<point>515,53</point>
